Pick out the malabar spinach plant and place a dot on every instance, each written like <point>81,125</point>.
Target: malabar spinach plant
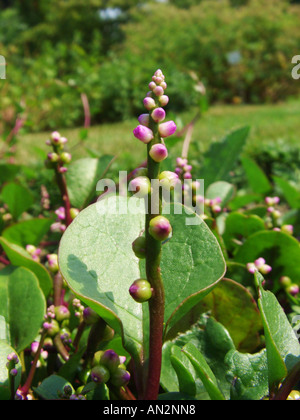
<point>162,290</point>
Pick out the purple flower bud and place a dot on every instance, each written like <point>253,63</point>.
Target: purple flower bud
<point>181,162</point>
<point>293,289</point>
<point>143,133</point>
<point>55,137</point>
<point>289,229</point>
<point>140,291</point>
<point>160,228</point>
<point>120,377</point>
<point>187,175</point>
<point>53,157</point>
<point>158,91</point>
<point>152,85</point>
<point>158,152</point>
<point>158,115</point>
<point>168,179</point>
<point>149,103</point>
<point>144,119</point>
<point>141,185</point>
<point>110,359</point>
<point>163,100</point>
<point>61,213</point>
<point>167,129</point>
<point>62,170</point>
<point>265,269</point>
<point>90,316</point>
<point>13,372</point>
<point>251,267</point>
<point>52,327</point>
<point>53,263</point>
<point>260,262</point>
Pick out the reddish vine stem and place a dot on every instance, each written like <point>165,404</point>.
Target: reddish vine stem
<point>62,184</point>
<point>288,384</point>
<point>157,302</point>
<point>26,387</point>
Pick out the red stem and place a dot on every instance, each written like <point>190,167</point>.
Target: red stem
<point>25,388</point>
<point>61,181</point>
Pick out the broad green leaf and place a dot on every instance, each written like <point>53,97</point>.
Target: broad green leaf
<point>233,306</point>
<point>291,194</point>
<point>8,172</point>
<point>238,227</point>
<point>18,198</point>
<point>204,371</point>
<point>257,180</point>
<point>213,341</point>
<point>5,350</point>
<point>19,257</point>
<point>283,349</point>
<point>183,370</point>
<point>97,261</point>
<point>280,250</point>
<point>222,156</point>
<point>248,374</point>
<point>52,387</point>
<point>22,304</point>
<point>29,232</point>
<point>243,199</point>
<point>82,178</point>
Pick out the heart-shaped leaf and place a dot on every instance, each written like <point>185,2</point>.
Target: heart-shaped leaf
<point>22,304</point>
<point>82,178</point>
<point>257,180</point>
<point>28,232</point>
<point>277,248</point>
<point>97,261</point>
<point>248,374</point>
<point>20,258</point>
<point>17,197</point>
<point>220,159</point>
<point>239,226</point>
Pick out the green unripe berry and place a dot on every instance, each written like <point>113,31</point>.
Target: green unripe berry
<point>141,291</point>
<point>100,374</point>
<point>97,358</point>
<point>139,247</point>
<point>61,313</point>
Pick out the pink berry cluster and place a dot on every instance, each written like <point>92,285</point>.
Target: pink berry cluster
<point>259,265</point>
<point>154,102</point>
<point>34,252</point>
<point>58,158</point>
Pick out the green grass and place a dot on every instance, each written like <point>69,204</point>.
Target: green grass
<point>270,124</point>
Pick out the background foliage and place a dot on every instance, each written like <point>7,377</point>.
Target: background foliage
<point>57,50</point>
